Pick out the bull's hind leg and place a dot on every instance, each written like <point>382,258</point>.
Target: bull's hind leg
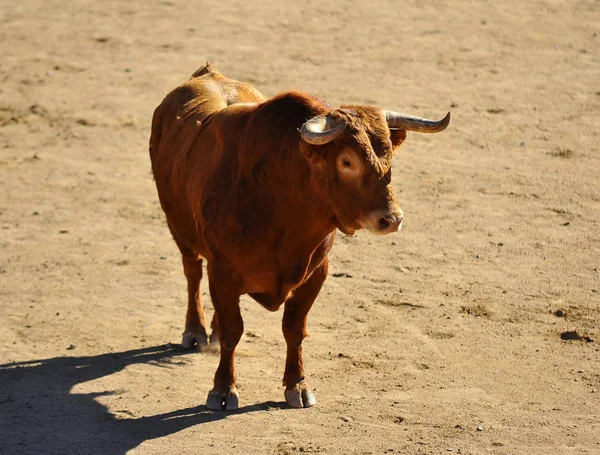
<point>297,391</point>
<point>214,325</point>
<point>195,320</point>
<point>226,300</point>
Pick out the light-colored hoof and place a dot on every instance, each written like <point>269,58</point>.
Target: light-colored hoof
<point>222,401</point>
<point>300,396</point>
<point>214,337</point>
<point>191,338</point>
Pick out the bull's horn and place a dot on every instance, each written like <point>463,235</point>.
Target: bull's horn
<point>322,129</point>
<point>407,122</point>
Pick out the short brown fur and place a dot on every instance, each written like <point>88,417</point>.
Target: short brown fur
<point>241,189</point>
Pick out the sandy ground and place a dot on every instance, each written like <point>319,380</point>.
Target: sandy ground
<point>417,339</point>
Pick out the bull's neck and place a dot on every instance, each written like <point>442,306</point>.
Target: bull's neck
<point>307,216</point>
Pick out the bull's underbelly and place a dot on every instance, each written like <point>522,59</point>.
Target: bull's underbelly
<point>272,286</point>
<point>273,295</point>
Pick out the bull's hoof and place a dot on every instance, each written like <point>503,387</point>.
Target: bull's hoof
<point>214,337</point>
<point>222,401</point>
<point>300,396</point>
<point>194,337</point>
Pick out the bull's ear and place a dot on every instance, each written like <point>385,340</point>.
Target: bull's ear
<point>397,137</point>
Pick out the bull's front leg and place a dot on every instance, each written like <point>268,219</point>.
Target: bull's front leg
<point>297,391</point>
<point>224,290</point>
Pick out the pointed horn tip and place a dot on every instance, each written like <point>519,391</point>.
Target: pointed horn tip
<point>446,120</point>
<point>440,125</point>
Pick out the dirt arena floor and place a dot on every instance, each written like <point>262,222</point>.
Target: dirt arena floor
<point>444,338</point>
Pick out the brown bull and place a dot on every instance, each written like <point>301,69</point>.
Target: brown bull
<point>258,187</point>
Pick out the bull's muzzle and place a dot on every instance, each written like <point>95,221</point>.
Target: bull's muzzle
<point>390,223</point>
<point>383,222</point>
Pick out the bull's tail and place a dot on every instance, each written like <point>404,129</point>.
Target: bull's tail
<point>156,134</point>
<point>206,71</point>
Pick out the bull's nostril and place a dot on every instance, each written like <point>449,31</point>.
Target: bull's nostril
<point>384,223</point>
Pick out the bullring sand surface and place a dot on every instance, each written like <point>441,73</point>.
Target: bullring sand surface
<point>444,338</point>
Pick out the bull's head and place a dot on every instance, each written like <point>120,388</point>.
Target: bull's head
<point>350,152</point>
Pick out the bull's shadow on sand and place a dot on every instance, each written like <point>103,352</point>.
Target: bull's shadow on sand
<point>40,415</point>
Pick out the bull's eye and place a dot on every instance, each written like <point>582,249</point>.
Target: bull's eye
<point>348,164</point>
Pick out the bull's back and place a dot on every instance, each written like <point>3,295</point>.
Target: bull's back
<point>206,93</point>
<point>186,147</point>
